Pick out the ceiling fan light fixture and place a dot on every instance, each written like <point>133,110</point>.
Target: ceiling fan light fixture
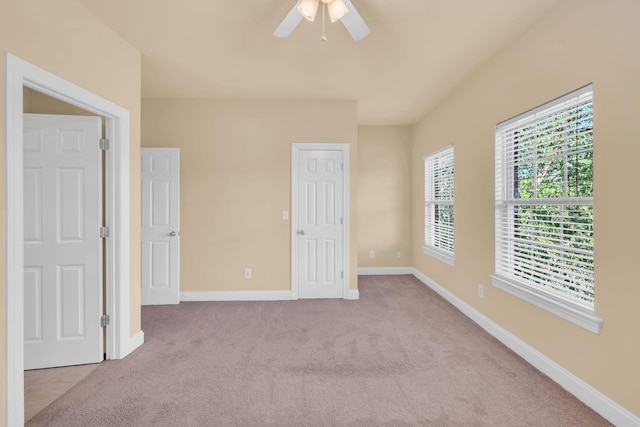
<point>308,9</point>
<point>337,10</point>
<point>342,10</point>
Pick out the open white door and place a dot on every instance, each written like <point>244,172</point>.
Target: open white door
<point>160,226</point>
<point>319,222</point>
<point>62,247</point>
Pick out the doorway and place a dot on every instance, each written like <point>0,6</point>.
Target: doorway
<point>320,220</point>
<point>119,343</point>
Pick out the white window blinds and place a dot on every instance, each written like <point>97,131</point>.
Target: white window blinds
<point>438,209</point>
<point>544,199</point>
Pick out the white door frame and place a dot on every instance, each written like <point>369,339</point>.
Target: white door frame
<point>295,149</point>
<point>19,73</point>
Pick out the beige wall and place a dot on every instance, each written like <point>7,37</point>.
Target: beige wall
<point>236,181</point>
<point>39,103</point>
<point>64,38</point>
<point>579,42</point>
<point>384,196</point>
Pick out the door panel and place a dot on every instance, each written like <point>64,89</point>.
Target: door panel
<point>71,288</point>
<point>70,205</point>
<point>160,254</point>
<point>32,183</point>
<point>160,226</point>
<point>319,227</point>
<point>33,310</point>
<point>62,245</point>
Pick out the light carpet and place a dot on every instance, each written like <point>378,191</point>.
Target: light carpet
<point>399,356</point>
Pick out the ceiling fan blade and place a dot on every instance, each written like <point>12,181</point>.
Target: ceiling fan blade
<point>354,23</point>
<point>289,23</point>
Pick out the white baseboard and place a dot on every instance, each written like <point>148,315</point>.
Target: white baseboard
<point>134,342</point>
<point>237,296</point>
<point>353,294</point>
<point>600,403</point>
<point>384,271</point>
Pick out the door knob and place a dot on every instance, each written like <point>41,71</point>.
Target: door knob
<point>300,232</point>
<point>173,234</point>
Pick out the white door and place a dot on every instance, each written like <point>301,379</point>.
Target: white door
<point>319,223</point>
<point>62,245</point>
<point>160,226</point>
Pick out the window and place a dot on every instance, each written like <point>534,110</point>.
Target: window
<point>544,207</point>
<point>438,205</point>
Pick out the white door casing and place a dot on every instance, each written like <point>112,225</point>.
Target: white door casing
<point>160,232</point>
<point>119,341</point>
<point>319,226</point>
<point>62,248</point>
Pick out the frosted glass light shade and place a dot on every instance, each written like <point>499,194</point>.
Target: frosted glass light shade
<point>337,10</point>
<point>308,9</point>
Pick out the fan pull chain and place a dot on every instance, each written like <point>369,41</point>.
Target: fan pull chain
<point>323,38</point>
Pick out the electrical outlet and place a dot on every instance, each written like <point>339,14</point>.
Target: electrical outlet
<point>481,291</point>
<point>398,254</point>
<point>247,273</point>
<point>372,254</point>
<point>285,215</point>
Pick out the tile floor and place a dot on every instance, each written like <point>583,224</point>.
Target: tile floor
<point>43,386</point>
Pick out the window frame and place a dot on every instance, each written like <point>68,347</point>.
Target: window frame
<point>432,230</point>
<point>507,266</point>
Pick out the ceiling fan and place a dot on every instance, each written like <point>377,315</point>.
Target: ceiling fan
<point>339,10</point>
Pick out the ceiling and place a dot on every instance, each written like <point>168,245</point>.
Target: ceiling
<point>418,50</point>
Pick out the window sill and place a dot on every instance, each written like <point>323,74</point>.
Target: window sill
<point>442,256</point>
<point>550,303</point>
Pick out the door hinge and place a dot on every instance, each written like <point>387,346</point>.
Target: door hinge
<point>341,223</point>
<point>105,320</point>
<point>341,166</point>
<point>342,274</point>
<point>104,144</point>
<point>104,232</point>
